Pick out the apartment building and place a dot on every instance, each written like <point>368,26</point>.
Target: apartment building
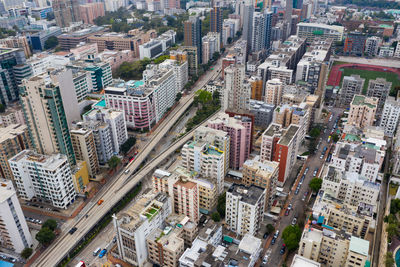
<point>186,199</point>
<point>380,89</point>
<point>211,232</point>
<point>206,160</point>
<point>257,89</point>
<point>115,57</point>
<point>389,119</point>
<point>12,115</point>
<point>47,177</point>
<point>357,158</point>
<point>14,231</point>
<point>115,120</point>
<point>218,138</point>
<point>13,139</point>
<point>273,92</point>
<point>333,248</point>
<point>90,11</point>
<point>319,30</point>
<point>211,43</point>
<point>263,174</point>
<point>82,83</point>
<point>280,145</point>
<point>46,115</point>
<point>85,148</point>
<point>144,103</point>
<point>262,112</point>
<point>351,85</point>
<point>134,225</point>
<point>351,188</point>
<point>357,221</point>
<point>17,42</point>
<point>244,208</point>
<point>237,89</point>
<point>155,47</point>
<point>186,53</point>
<point>239,129</point>
<point>189,228</point>
<point>165,246</point>
<point>355,43</point>
<point>180,69</point>
<point>362,111</point>
<point>372,45</point>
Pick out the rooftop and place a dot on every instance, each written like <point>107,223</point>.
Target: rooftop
<point>11,131</point>
<point>250,244</point>
<point>299,261</point>
<point>47,161</point>
<point>370,102</point>
<point>289,134</point>
<point>359,246</point>
<point>6,190</point>
<point>251,194</point>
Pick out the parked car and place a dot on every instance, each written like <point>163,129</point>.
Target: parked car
<point>273,241</point>
<point>287,212</point>
<point>315,172</point>
<point>294,221</point>
<point>102,253</point>
<point>73,230</point>
<point>306,170</point>
<point>265,235</point>
<point>96,252</point>
<point>283,249</point>
<point>276,234</point>
<point>297,191</point>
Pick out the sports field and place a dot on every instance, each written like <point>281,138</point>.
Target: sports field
<point>368,75</point>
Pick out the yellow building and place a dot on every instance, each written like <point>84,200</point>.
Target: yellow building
<point>256,88</point>
<point>80,176</point>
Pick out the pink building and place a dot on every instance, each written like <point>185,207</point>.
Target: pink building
<point>239,131</point>
<point>91,11</point>
<point>116,58</point>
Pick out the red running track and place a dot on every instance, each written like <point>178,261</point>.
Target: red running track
<point>336,75</point>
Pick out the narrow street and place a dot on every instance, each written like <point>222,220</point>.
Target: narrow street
<point>299,206</point>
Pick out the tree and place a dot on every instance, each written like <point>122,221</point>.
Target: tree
<point>125,147</point>
<point>2,108</point>
<point>395,206</point>
<point>215,56</point>
<point>392,230</point>
<point>203,97</point>
<point>216,217</point>
<point>312,146</point>
<point>178,97</point>
<point>221,205</point>
<point>291,236</point>
<point>26,253</point>
<point>45,236</point>
<point>315,184</point>
<point>113,162</point>
<point>160,59</point>
<point>132,70</point>
<point>315,132</point>
<point>51,224</point>
<point>390,218</point>
<point>335,138</point>
<point>50,16</point>
<point>229,40</point>
<point>389,260</point>
<point>270,228</point>
<point>51,42</point>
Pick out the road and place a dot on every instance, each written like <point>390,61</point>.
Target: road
<point>111,195</point>
<point>299,206</point>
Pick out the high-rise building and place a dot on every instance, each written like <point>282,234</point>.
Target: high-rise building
<point>390,116</point>
<point>113,5</point>
<point>17,42</point>
<point>244,208</point>
<point>192,35</point>
<point>288,17</point>
<point>239,130</point>
<point>216,20</point>
<point>12,115</point>
<point>351,85</point>
<point>362,111</point>
<point>355,44</point>
<point>65,12</point>
<point>14,232</point>
<point>10,59</point>
<point>262,112</point>
<point>85,148</point>
<point>206,160</point>
<point>46,116</point>
<point>44,177</point>
<point>237,89</point>
<point>90,11</point>
<point>247,18</point>
<point>13,139</point>
<point>273,92</point>
<point>372,45</point>
<point>210,45</point>
<point>261,31</point>
<point>264,174</point>
<point>324,31</point>
<point>134,225</point>
<point>189,54</point>
<point>380,89</point>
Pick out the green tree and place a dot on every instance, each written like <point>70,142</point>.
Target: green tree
<point>2,108</point>
<point>335,138</point>
<point>26,253</point>
<point>178,97</point>
<point>390,218</point>
<point>160,59</point>
<point>45,236</point>
<point>51,224</point>
<point>315,184</point>
<point>216,217</point>
<point>395,206</point>
<point>132,70</point>
<point>51,42</point>
<point>312,146</point>
<point>291,236</point>
<point>113,162</point>
<point>203,97</point>
<point>389,260</point>
<point>270,228</point>
<point>221,205</point>
<point>215,56</point>
<point>315,132</point>
<point>229,40</point>
<point>125,147</point>
<point>392,230</point>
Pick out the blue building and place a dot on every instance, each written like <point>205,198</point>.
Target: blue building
<point>38,39</point>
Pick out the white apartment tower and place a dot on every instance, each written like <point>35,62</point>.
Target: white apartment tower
<point>390,116</point>
<point>237,91</point>
<point>14,232</point>
<point>273,92</point>
<point>43,176</point>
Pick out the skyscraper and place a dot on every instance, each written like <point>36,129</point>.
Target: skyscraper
<point>45,116</point>
<point>65,12</point>
<point>192,35</point>
<point>261,31</point>
<point>247,19</point>
<point>216,20</point>
<point>237,91</point>
<point>288,19</point>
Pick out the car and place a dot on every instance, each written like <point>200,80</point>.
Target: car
<point>287,212</point>
<point>273,241</point>
<point>72,231</point>
<point>114,239</point>
<point>96,252</point>
<point>303,198</point>
<point>322,156</point>
<point>265,235</point>
<point>294,221</point>
<point>13,260</point>
<point>290,206</point>
<point>283,249</point>
<point>306,170</point>
<point>100,202</point>
<point>297,191</point>
<point>303,177</point>
<point>325,149</point>
<point>102,253</point>
<point>315,172</point>
<point>126,172</point>
<point>265,259</point>
<point>276,234</point>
